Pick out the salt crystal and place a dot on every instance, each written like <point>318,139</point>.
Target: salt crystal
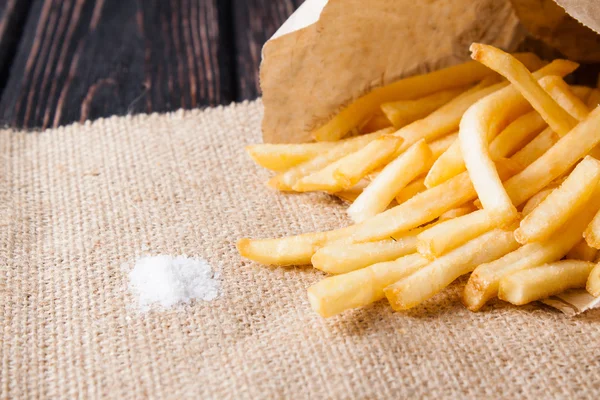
<point>166,280</point>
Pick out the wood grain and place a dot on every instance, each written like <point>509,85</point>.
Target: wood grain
<point>254,22</point>
<point>13,14</point>
<point>84,59</point>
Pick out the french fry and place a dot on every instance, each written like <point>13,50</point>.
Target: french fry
<point>359,288</point>
<point>286,180</point>
<point>412,189</point>
<point>484,281</point>
<point>582,92</point>
<point>556,161</point>
<point>581,251</point>
<point>592,233</point>
<point>594,99</point>
<point>593,282</point>
<point>451,162</point>
<point>291,250</point>
<point>536,148</point>
<point>453,233</point>
<point>393,178</point>
<point>535,201</point>
<point>560,91</point>
<point>403,112</point>
<point>457,212</point>
<point>420,209</point>
<point>405,89</point>
<point>560,205</point>
<point>347,171</point>
<point>437,275</point>
<point>439,146</point>
<point>350,195</point>
<point>376,123</point>
<point>280,157</point>
<point>347,257</point>
<point>506,65</point>
<point>538,283</point>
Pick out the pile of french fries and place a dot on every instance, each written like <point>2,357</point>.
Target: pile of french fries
<point>483,168</point>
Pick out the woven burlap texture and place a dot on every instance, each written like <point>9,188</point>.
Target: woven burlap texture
<point>79,202</point>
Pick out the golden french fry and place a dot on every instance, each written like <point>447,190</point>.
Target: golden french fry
<point>393,178</point>
<point>376,123</point>
<point>403,112</point>
<point>581,251</point>
<point>359,288</point>
<point>582,92</point>
<point>561,204</point>
<point>291,250</point>
<point>350,195</point>
<point>556,161</point>
<point>347,171</point>
<point>439,146</point>
<point>286,180</point>
<point>517,134</point>
<point>280,157</point>
<point>592,233</point>
<point>593,282</point>
<point>347,257</point>
<point>536,148</point>
<point>484,281</point>
<point>448,165</point>
<point>594,99</point>
<point>453,233</point>
<point>560,91</point>
<point>405,89</point>
<point>535,201</point>
<point>412,189</point>
<point>506,65</point>
<point>538,283</point>
<point>421,209</point>
<point>457,212</point>
<point>435,276</point>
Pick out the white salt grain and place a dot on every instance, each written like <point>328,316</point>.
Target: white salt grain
<point>167,280</point>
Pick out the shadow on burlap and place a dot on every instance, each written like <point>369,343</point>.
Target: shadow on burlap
<point>78,202</point>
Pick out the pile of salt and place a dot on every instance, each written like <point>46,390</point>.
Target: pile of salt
<point>168,280</point>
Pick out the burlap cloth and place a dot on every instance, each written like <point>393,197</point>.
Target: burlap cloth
<point>78,202</point>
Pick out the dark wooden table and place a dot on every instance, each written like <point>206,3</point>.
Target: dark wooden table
<point>63,61</point>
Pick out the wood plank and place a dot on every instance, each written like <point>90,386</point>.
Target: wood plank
<point>255,21</point>
<point>13,13</point>
<point>85,59</point>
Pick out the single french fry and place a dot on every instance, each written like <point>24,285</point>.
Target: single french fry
<point>582,92</point>
<point>403,112</point>
<point>347,257</point>
<point>517,134</point>
<point>560,91</point>
<point>359,288</point>
<point>506,65</point>
<point>437,275</point>
<point>376,123</point>
<point>536,148</point>
<point>439,146</point>
<point>347,171</point>
<point>484,281</point>
<point>581,251</point>
<point>409,88</point>
<point>592,233</point>
<point>594,99</point>
<point>556,161</point>
<point>412,189</point>
<point>538,283</point>
<point>535,201</point>
<point>561,204</point>
<point>291,250</point>
<point>453,233</point>
<point>457,212</point>
<point>421,209</point>
<point>280,157</point>
<point>350,195</point>
<point>393,178</point>
<point>286,180</point>
<point>593,282</point>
